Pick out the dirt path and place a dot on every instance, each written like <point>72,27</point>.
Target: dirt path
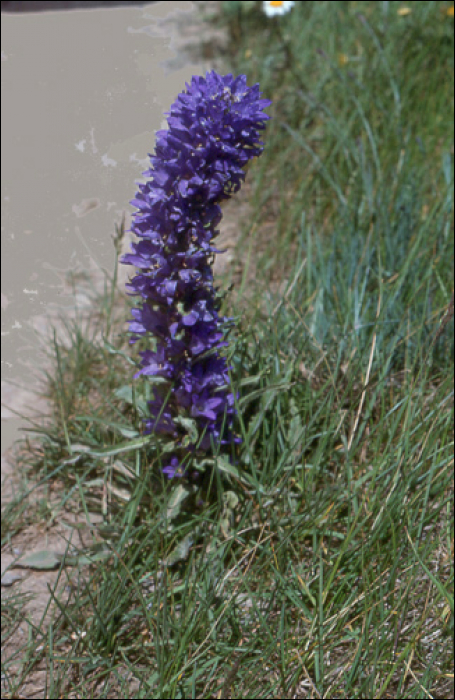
<point>56,5</point>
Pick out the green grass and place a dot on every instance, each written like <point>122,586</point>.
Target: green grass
<point>321,565</point>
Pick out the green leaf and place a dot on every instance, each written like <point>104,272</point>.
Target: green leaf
<point>231,501</point>
<point>178,496</point>
<point>442,590</point>
<point>246,381</point>
<point>190,426</point>
<point>115,351</point>
<point>44,560</point>
<point>114,450</point>
<point>124,469</point>
<point>202,465</point>
<point>166,447</point>
<point>125,393</point>
<point>224,466</point>
<point>270,390</point>
<point>87,558</point>
<point>122,429</point>
<point>181,551</point>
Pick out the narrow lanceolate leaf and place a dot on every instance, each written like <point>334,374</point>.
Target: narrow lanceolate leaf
<point>124,430</point>
<point>114,449</point>
<point>442,589</point>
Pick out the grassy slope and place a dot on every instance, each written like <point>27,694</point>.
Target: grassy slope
<point>323,567</point>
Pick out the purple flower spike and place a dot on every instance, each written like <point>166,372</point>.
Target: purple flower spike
<point>199,161</point>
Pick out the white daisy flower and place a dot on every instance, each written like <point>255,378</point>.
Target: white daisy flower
<point>272,9</point>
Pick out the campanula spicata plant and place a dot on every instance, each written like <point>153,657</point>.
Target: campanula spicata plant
<point>213,132</point>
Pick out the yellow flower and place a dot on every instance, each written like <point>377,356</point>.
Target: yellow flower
<point>403,11</point>
<point>343,59</point>
<point>450,11</point>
